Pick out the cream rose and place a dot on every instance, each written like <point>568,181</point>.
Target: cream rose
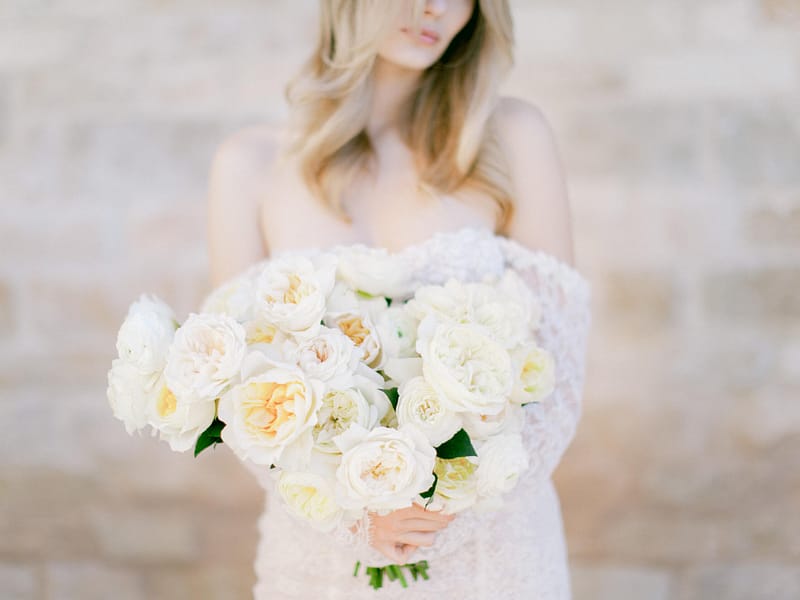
<point>517,289</point>
<point>535,370</point>
<point>310,497</point>
<point>456,484</point>
<point>470,371</point>
<point>235,298</point>
<point>144,338</point>
<point>359,327</point>
<point>270,415</point>
<point>205,357</point>
<point>449,302</point>
<point>501,317</point>
<point>362,403</point>
<point>383,469</point>
<point>330,356</point>
<point>375,271</point>
<point>291,292</point>
<point>502,459</point>
<point>419,404</point>
<point>482,426</point>
<point>177,421</point>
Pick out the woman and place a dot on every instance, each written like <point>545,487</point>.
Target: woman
<point>397,139</point>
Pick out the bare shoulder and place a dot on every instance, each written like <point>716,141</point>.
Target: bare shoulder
<point>542,218</point>
<point>242,167</point>
<point>250,150</point>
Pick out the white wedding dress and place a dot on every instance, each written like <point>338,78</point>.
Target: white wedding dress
<point>516,552</point>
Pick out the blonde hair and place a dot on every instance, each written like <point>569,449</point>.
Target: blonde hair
<point>447,123</point>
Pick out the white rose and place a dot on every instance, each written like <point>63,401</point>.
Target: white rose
<point>235,298</point>
<point>310,497</point>
<point>360,328</point>
<point>419,404</point>
<point>470,371</point>
<point>270,415</point>
<point>365,405</point>
<point>397,331</point>
<point>456,483</point>
<point>503,307</point>
<point>383,469</point>
<point>291,292</point>
<point>375,271</point>
<point>258,331</point>
<point>129,392</point>
<point>205,357</point>
<point>482,426</point>
<point>449,302</point>
<point>502,318</point>
<point>144,338</point>
<point>178,421</point>
<point>330,356</point>
<point>517,290</point>
<point>502,459</point>
<point>535,373</point>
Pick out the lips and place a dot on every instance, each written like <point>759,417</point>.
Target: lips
<point>428,35</point>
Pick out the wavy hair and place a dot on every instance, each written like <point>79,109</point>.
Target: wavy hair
<point>447,122</point>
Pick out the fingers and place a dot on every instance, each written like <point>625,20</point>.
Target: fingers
<point>418,538</point>
<point>396,552</point>
<point>418,512</point>
<point>424,524</point>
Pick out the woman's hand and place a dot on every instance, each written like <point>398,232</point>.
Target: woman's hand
<point>397,534</point>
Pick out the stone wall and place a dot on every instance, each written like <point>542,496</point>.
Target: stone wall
<point>679,126</point>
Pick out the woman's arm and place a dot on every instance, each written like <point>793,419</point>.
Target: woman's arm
<point>539,249</point>
<point>541,217</point>
<point>240,172</point>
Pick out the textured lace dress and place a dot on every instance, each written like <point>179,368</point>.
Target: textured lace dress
<point>516,552</point>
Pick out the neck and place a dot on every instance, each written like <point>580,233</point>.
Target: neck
<point>393,85</point>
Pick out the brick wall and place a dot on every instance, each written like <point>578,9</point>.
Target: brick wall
<point>679,126</point>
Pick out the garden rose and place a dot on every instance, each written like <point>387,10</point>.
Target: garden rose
<point>129,391</point>
<point>291,292</point>
<point>205,356</point>
<point>176,420</point>
<point>375,271</point>
<point>535,374</point>
<point>144,338</point>
<point>330,356</point>
<point>362,403</point>
<point>397,331</point>
<point>419,404</point>
<point>383,469</point>
<point>456,484</point>
<point>269,416</point>
<point>470,371</point>
<point>502,458</point>
<point>310,497</point>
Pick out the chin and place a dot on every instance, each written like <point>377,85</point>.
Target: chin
<point>411,59</point>
<point>410,56</point>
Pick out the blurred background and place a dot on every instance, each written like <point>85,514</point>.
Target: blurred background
<point>679,126</point>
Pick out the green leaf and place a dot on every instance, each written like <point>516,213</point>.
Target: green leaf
<point>393,395</point>
<point>212,435</point>
<point>457,446</point>
<point>429,492</point>
<point>388,301</point>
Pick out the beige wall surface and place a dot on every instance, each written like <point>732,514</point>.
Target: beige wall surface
<point>679,125</point>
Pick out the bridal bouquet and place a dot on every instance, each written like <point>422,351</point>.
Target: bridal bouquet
<point>357,389</point>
